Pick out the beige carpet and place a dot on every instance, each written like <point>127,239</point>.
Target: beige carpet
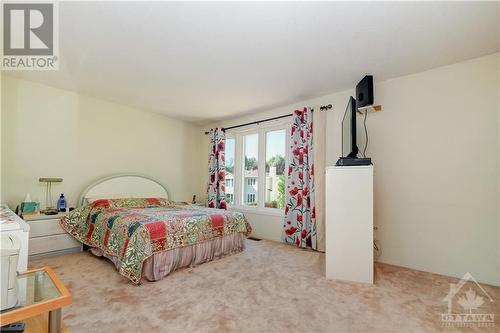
<point>270,287</point>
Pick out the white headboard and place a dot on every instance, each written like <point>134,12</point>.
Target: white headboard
<point>124,185</point>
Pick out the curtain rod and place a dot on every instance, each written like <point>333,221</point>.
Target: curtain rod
<point>322,108</point>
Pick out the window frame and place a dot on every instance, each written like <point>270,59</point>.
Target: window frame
<point>238,135</point>
<point>234,170</point>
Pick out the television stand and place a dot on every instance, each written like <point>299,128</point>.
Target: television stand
<point>349,223</point>
<point>353,161</point>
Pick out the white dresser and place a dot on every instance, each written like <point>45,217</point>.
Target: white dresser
<point>47,238</point>
<point>11,224</point>
<point>349,223</point>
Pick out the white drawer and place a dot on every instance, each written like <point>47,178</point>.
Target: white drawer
<point>52,243</point>
<point>45,228</point>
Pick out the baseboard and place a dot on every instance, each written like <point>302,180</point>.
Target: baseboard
<point>53,253</point>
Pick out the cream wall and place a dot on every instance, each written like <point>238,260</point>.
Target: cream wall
<point>436,152</point>
<point>498,106</point>
<point>53,132</point>
<point>1,136</point>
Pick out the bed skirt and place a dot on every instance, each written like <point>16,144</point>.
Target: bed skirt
<point>161,264</point>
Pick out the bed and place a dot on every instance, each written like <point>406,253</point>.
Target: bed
<point>129,219</point>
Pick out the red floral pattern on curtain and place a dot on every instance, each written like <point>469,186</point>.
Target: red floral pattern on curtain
<point>300,220</point>
<point>216,191</point>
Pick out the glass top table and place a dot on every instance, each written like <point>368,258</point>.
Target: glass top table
<point>39,291</point>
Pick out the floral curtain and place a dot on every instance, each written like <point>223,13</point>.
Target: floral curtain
<point>216,192</point>
<point>299,227</point>
<point>319,154</point>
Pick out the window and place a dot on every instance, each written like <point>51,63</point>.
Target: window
<point>275,169</point>
<point>256,160</point>
<point>251,168</point>
<point>250,198</point>
<point>229,158</point>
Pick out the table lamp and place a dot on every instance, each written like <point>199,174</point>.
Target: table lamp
<point>49,209</point>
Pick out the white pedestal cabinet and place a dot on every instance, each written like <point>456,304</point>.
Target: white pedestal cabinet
<point>349,223</point>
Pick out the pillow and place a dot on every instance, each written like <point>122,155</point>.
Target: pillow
<point>91,198</point>
<point>130,202</point>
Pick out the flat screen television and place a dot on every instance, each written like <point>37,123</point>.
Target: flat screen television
<point>349,135</point>
<point>350,150</point>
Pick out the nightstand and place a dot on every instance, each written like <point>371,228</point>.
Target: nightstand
<point>47,238</point>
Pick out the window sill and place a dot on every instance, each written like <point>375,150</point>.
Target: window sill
<point>258,210</point>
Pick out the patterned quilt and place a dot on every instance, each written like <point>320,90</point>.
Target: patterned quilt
<point>134,229</point>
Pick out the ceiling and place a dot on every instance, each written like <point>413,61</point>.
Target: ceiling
<point>210,61</point>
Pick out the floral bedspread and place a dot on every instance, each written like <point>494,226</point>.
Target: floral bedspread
<point>134,229</point>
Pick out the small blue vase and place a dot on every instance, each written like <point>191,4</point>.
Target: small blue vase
<point>61,203</point>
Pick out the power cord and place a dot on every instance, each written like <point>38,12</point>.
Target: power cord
<point>366,133</point>
<point>377,247</point>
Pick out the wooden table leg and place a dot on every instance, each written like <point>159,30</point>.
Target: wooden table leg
<point>55,319</point>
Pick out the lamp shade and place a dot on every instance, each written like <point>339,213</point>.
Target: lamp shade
<point>50,179</point>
